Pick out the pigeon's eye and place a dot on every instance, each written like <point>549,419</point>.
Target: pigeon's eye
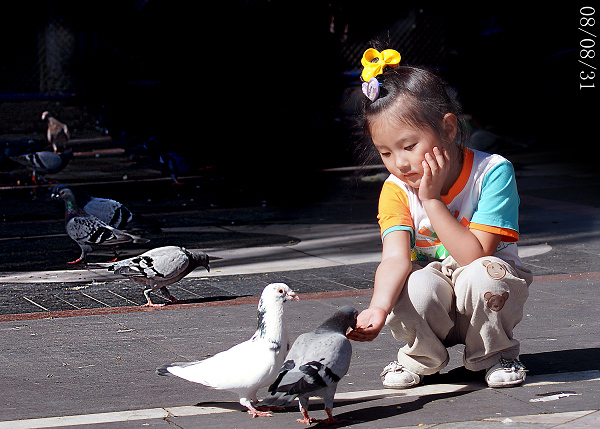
<point>280,290</point>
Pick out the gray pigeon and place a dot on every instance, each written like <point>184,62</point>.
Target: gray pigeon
<point>57,132</point>
<point>110,211</point>
<point>314,366</point>
<point>158,268</point>
<point>251,365</point>
<point>44,162</point>
<point>87,230</point>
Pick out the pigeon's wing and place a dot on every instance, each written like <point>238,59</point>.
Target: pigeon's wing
<point>55,127</point>
<point>48,162</point>
<point>315,362</point>
<point>37,160</point>
<point>90,230</point>
<point>109,211</point>
<point>87,230</point>
<point>164,264</point>
<point>44,162</point>
<point>246,365</point>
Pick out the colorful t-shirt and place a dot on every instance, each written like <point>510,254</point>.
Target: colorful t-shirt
<point>484,197</point>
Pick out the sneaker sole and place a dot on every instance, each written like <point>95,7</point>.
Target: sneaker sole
<point>506,384</point>
<point>400,387</point>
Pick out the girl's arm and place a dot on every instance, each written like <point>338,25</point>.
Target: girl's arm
<point>464,245</point>
<point>390,278</point>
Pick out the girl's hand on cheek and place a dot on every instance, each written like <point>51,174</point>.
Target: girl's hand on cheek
<point>436,168</point>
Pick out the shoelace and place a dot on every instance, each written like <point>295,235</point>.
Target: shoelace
<point>512,364</point>
<point>391,367</point>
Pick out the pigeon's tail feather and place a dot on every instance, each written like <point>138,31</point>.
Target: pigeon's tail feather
<point>164,369</point>
<point>109,265</point>
<point>141,223</point>
<point>278,399</point>
<point>126,237</point>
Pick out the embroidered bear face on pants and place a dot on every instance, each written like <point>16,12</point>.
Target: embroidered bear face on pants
<point>495,302</point>
<point>495,270</point>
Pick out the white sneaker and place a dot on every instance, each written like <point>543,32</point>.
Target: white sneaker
<point>506,373</point>
<point>395,376</point>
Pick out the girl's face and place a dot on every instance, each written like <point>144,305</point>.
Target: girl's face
<point>403,147</point>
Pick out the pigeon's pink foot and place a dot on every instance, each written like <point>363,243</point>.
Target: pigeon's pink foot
<point>151,304</point>
<point>330,419</point>
<point>75,261</point>
<point>117,254</point>
<point>306,420</point>
<point>257,413</point>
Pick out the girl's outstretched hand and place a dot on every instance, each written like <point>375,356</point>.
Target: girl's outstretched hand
<point>368,324</point>
<point>436,168</point>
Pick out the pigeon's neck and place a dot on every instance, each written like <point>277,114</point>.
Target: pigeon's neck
<point>71,209</point>
<point>271,325</point>
<point>333,325</point>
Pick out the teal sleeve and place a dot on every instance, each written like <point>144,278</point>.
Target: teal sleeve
<point>401,228</point>
<point>499,200</point>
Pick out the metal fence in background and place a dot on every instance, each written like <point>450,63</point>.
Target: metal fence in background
<point>41,59</point>
<point>417,34</point>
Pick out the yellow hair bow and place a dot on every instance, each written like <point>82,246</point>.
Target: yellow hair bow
<point>374,62</point>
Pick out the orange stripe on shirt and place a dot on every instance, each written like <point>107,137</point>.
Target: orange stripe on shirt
<point>508,235</point>
<point>463,178</point>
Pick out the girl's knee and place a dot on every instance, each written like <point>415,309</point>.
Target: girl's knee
<point>426,289</point>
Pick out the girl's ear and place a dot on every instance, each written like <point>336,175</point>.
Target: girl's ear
<point>449,122</point>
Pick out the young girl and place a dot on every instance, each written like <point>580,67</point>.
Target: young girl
<point>449,272</point>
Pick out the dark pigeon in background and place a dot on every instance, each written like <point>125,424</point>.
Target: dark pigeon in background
<point>57,133</point>
<point>87,230</point>
<point>110,211</point>
<point>43,162</point>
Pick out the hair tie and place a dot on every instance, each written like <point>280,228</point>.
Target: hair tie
<point>374,62</point>
<point>371,89</point>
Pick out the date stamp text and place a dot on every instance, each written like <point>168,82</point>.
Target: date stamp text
<point>587,44</point>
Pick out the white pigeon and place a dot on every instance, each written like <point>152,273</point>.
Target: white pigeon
<point>57,133</point>
<point>314,366</point>
<point>158,268</point>
<point>251,365</point>
<point>87,230</point>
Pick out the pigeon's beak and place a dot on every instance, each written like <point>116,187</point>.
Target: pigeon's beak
<point>293,295</point>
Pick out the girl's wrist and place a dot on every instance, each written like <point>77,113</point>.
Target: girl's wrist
<point>431,203</point>
<point>380,309</point>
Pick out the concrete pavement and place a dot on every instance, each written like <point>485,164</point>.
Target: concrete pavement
<point>82,353</point>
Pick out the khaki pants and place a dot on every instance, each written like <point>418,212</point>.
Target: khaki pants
<point>444,304</point>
